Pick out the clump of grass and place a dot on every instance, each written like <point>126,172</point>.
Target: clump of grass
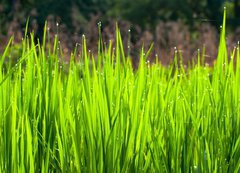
<point>109,118</point>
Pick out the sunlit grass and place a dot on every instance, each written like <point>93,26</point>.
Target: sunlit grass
<point>104,116</point>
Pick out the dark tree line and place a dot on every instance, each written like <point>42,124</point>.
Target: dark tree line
<point>142,12</point>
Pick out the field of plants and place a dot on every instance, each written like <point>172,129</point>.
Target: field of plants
<point>99,114</point>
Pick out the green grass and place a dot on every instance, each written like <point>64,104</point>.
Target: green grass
<point>104,116</point>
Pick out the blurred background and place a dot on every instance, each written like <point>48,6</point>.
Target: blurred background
<point>185,24</point>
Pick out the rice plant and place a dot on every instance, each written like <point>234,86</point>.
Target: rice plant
<point>99,114</point>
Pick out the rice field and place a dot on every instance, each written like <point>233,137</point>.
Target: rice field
<point>99,114</point>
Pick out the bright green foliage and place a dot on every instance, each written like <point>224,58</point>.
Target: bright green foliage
<point>104,116</point>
